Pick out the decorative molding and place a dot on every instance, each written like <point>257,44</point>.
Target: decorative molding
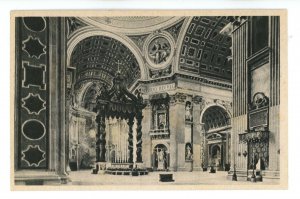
<point>202,80</point>
<point>258,59</point>
<point>139,40</point>
<point>33,152</point>
<point>254,136</point>
<point>35,24</point>
<point>178,98</point>
<point>197,99</point>
<point>35,80</point>
<point>160,73</point>
<point>73,25</point>
<point>33,47</point>
<point>33,103</point>
<point>30,129</point>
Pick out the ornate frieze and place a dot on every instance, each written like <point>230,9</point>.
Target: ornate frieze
<point>197,99</point>
<point>199,80</point>
<point>160,73</point>
<point>254,136</point>
<point>179,98</point>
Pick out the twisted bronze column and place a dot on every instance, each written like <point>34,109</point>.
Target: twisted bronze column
<point>130,139</point>
<point>139,118</point>
<point>100,136</point>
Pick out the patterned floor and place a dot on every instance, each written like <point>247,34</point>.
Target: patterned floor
<point>180,178</point>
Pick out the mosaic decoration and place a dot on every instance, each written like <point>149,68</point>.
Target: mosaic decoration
<point>33,103</point>
<point>35,24</point>
<point>34,75</point>
<point>33,155</point>
<point>34,47</point>
<point>204,50</point>
<point>33,129</point>
<point>32,96</point>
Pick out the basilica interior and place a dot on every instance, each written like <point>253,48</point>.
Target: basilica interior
<point>139,95</point>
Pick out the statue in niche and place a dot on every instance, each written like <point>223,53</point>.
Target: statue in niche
<point>188,111</point>
<point>159,50</point>
<point>162,121</point>
<point>188,152</point>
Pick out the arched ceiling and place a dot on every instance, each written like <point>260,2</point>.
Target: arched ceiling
<point>215,117</point>
<point>204,50</point>
<point>97,57</point>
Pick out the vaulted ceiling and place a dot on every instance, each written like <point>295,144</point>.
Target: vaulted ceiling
<point>204,50</point>
<point>215,117</point>
<point>99,57</point>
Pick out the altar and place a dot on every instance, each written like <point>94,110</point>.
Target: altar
<point>119,119</point>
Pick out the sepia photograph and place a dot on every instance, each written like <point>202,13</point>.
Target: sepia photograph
<point>186,99</point>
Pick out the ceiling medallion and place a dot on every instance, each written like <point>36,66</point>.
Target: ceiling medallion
<point>159,50</point>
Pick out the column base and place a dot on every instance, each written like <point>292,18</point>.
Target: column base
<point>39,178</point>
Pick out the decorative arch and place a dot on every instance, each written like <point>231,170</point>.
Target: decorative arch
<point>161,143</point>
<point>179,43</point>
<point>89,32</point>
<point>222,116</point>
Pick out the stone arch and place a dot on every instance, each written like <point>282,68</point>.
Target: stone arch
<point>212,105</point>
<point>179,42</point>
<point>89,32</point>
<point>162,143</point>
<point>222,112</point>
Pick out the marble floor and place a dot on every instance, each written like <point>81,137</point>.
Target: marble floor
<point>180,178</point>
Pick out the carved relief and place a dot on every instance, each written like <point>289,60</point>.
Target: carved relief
<point>159,49</point>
